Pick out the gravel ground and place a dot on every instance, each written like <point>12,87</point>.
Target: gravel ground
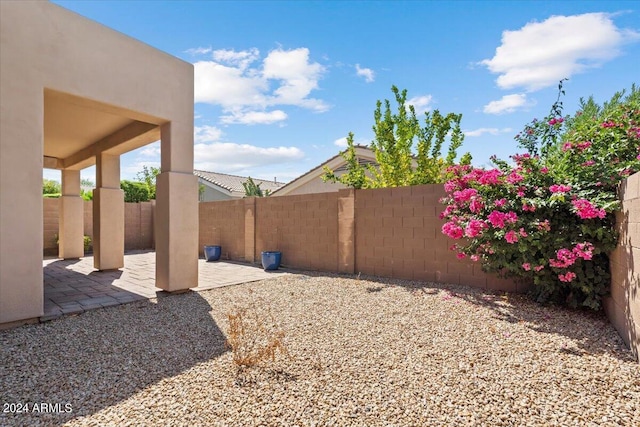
<point>362,352</point>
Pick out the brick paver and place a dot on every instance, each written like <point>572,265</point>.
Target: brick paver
<point>74,286</point>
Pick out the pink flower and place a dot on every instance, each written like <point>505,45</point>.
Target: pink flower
<point>451,186</point>
<point>584,250</point>
<point>568,277</point>
<point>555,121</point>
<point>526,266</point>
<point>522,232</point>
<point>474,257</point>
<point>589,163</point>
<point>460,255</point>
<point>511,237</point>
<point>474,228</point>
<point>608,124</point>
<point>489,177</point>
<point>538,267</point>
<point>567,146</point>
<point>511,217</point>
<point>452,230</point>
<point>528,208</point>
<point>564,258</point>
<point>447,211</point>
<point>585,210</point>
<point>464,195</point>
<point>496,218</point>
<point>476,205</point>
<point>560,188</point>
<point>583,145</point>
<point>544,170</point>
<point>500,202</point>
<point>514,178</point>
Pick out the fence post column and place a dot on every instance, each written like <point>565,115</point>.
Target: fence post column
<point>250,229</point>
<point>346,231</point>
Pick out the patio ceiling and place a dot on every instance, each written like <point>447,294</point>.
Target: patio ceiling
<point>76,129</point>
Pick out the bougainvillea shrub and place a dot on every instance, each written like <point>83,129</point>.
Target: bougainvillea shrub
<point>547,216</point>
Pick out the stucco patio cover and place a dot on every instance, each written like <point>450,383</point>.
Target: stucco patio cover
<point>74,93</point>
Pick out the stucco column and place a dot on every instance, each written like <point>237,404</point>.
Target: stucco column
<point>176,215</point>
<point>108,214</point>
<point>21,135</point>
<point>71,225</point>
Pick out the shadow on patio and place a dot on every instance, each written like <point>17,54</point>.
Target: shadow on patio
<point>74,286</point>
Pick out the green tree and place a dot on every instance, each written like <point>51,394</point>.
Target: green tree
<point>50,186</point>
<point>135,191</point>
<point>148,176</point>
<point>356,175</point>
<point>396,135</point>
<point>251,189</point>
<point>86,194</point>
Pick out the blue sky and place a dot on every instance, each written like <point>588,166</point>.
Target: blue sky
<point>280,84</point>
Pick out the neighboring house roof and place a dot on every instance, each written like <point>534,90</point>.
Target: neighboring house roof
<point>336,163</point>
<point>233,183</point>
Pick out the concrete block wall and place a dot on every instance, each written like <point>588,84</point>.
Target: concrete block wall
<point>88,219</point>
<point>384,232</point>
<point>623,305</point>
<point>303,227</point>
<point>138,224</point>
<point>50,213</point>
<point>222,223</point>
<point>398,235</point>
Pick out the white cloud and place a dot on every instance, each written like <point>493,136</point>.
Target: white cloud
<point>233,158</point>
<point>541,53</point>
<point>340,142</point>
<point>367,73</point>
<point>421,104</point>
<point>482,131</point>
<point>297,76</point>
<point>206,134</point>
<point>508,104</point>
<point>199,50</point>
<point>254,117</point>
<point>151,150</point>
<point>131,170</point>
<point>240,59</point>
<point>245,87</point>
<point>229,87</point>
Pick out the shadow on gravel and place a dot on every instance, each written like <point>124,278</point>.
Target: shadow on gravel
<point>95,360</point>
<point>590,331</point>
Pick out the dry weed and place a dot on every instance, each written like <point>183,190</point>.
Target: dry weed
<point>254,336</point>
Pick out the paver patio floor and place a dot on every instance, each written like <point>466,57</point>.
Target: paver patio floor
<point>74,286</point>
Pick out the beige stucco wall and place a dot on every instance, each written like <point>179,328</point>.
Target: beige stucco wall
<point>623,305</point>
<point>212,195</point>
<point>46,46</point>
<point>316,185</point>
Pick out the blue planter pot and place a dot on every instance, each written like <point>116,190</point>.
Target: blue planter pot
<point>212,253</point>
<point>271,260</point>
